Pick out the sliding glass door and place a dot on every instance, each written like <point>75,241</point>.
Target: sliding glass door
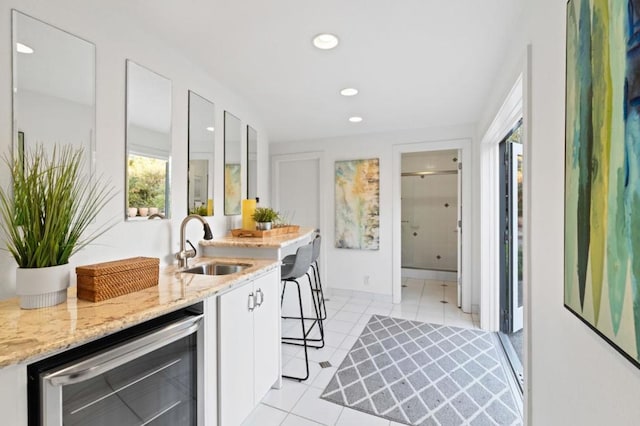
<point>511,303</point>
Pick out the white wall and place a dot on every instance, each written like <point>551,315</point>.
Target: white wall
<point>346,269</point>
<point>114,45</point>
<point>573,376</point>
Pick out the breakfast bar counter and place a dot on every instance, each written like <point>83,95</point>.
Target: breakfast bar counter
<point>274,247</point>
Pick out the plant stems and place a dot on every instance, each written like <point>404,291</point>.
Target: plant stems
<point>50,205</point>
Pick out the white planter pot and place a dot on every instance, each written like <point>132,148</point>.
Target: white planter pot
<point>263,226</point>
<point>42,287</point>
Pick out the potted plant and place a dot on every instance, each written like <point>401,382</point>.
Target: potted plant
<point>46,212</point>
<point>264,217</point>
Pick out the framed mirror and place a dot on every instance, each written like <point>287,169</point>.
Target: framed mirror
<point>148,137</point>
<point>252,163</point>
<point>232,165</point>
<point>201,155</point>
<point>54,96</point>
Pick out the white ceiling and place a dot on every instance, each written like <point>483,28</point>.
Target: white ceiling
<point>417,63</point>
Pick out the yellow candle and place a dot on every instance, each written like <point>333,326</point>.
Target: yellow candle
<point>248,208</point>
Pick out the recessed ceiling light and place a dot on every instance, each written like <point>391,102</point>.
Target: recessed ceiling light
<point>325,41</point>
<point>355,119</point>
<point>23,48</point>
<point>349,91</point>
<point>210,129</point>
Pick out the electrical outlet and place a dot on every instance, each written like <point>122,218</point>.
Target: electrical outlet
<point>366,280</point>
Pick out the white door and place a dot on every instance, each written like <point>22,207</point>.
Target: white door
<point>459,231</point>
<point>296,193</point>
<point>235,355</point>
<point>517,233</point>
<point>511,297</point>
<point>266,322</point>
<point>296,190</point>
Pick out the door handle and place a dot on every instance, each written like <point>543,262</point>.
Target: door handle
<point>120,355</point>
<point>251,302</point>
<point>259,297</point>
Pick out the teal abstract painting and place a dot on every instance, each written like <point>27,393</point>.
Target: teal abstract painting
<point>602,170</point>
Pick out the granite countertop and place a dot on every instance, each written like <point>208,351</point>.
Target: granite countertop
<point>277,241</point>
<point>28,335</point>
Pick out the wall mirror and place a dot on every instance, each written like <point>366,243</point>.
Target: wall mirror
<point>232,165</point>
<point>252,163</point>
<point>54,99</point>
<point>148,159</point>
<point>201,155</point>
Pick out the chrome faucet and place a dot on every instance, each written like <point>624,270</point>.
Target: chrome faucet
<point>184,255</point>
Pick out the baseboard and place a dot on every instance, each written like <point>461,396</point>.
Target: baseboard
<point>428,274</point>
<point>364,295</point>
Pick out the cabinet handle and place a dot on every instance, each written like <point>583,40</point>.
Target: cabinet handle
<point>260,298</point>
<point>252,302</point>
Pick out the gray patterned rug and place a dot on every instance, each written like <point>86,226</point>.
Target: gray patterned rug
<point>425,374</point>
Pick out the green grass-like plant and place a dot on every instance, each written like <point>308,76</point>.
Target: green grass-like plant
<point>265,214</point>
<point>49,206</point>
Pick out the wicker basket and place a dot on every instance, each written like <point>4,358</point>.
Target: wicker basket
<point>112,279</point>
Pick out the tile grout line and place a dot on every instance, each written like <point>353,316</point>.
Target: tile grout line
<point>312,420</point>
<point>444,298</point>
<point>424,285</point>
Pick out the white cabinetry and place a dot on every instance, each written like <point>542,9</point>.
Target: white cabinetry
<point>248,346</point>
<point>13,395</point>
<point>210,366</point>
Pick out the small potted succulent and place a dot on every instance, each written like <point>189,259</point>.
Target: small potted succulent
<point>47,212</point>
<point>264,217</point>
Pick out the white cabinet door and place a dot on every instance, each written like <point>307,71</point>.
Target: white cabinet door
<point>235,355</point>
<point>13,395</point>
<point>210,364</point>
<point>266,321</point>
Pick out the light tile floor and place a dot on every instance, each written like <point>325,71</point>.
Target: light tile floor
<point>299,403</point>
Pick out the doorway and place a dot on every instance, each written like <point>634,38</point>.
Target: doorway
<point>463,148</point>
<point>511,248</point>
<point>430,236</point>
<point>430,215</point>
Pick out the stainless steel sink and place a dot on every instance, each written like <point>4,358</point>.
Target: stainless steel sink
<point>216,268</point>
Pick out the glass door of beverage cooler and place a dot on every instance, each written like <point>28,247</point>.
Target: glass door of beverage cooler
<point>151,378</point>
